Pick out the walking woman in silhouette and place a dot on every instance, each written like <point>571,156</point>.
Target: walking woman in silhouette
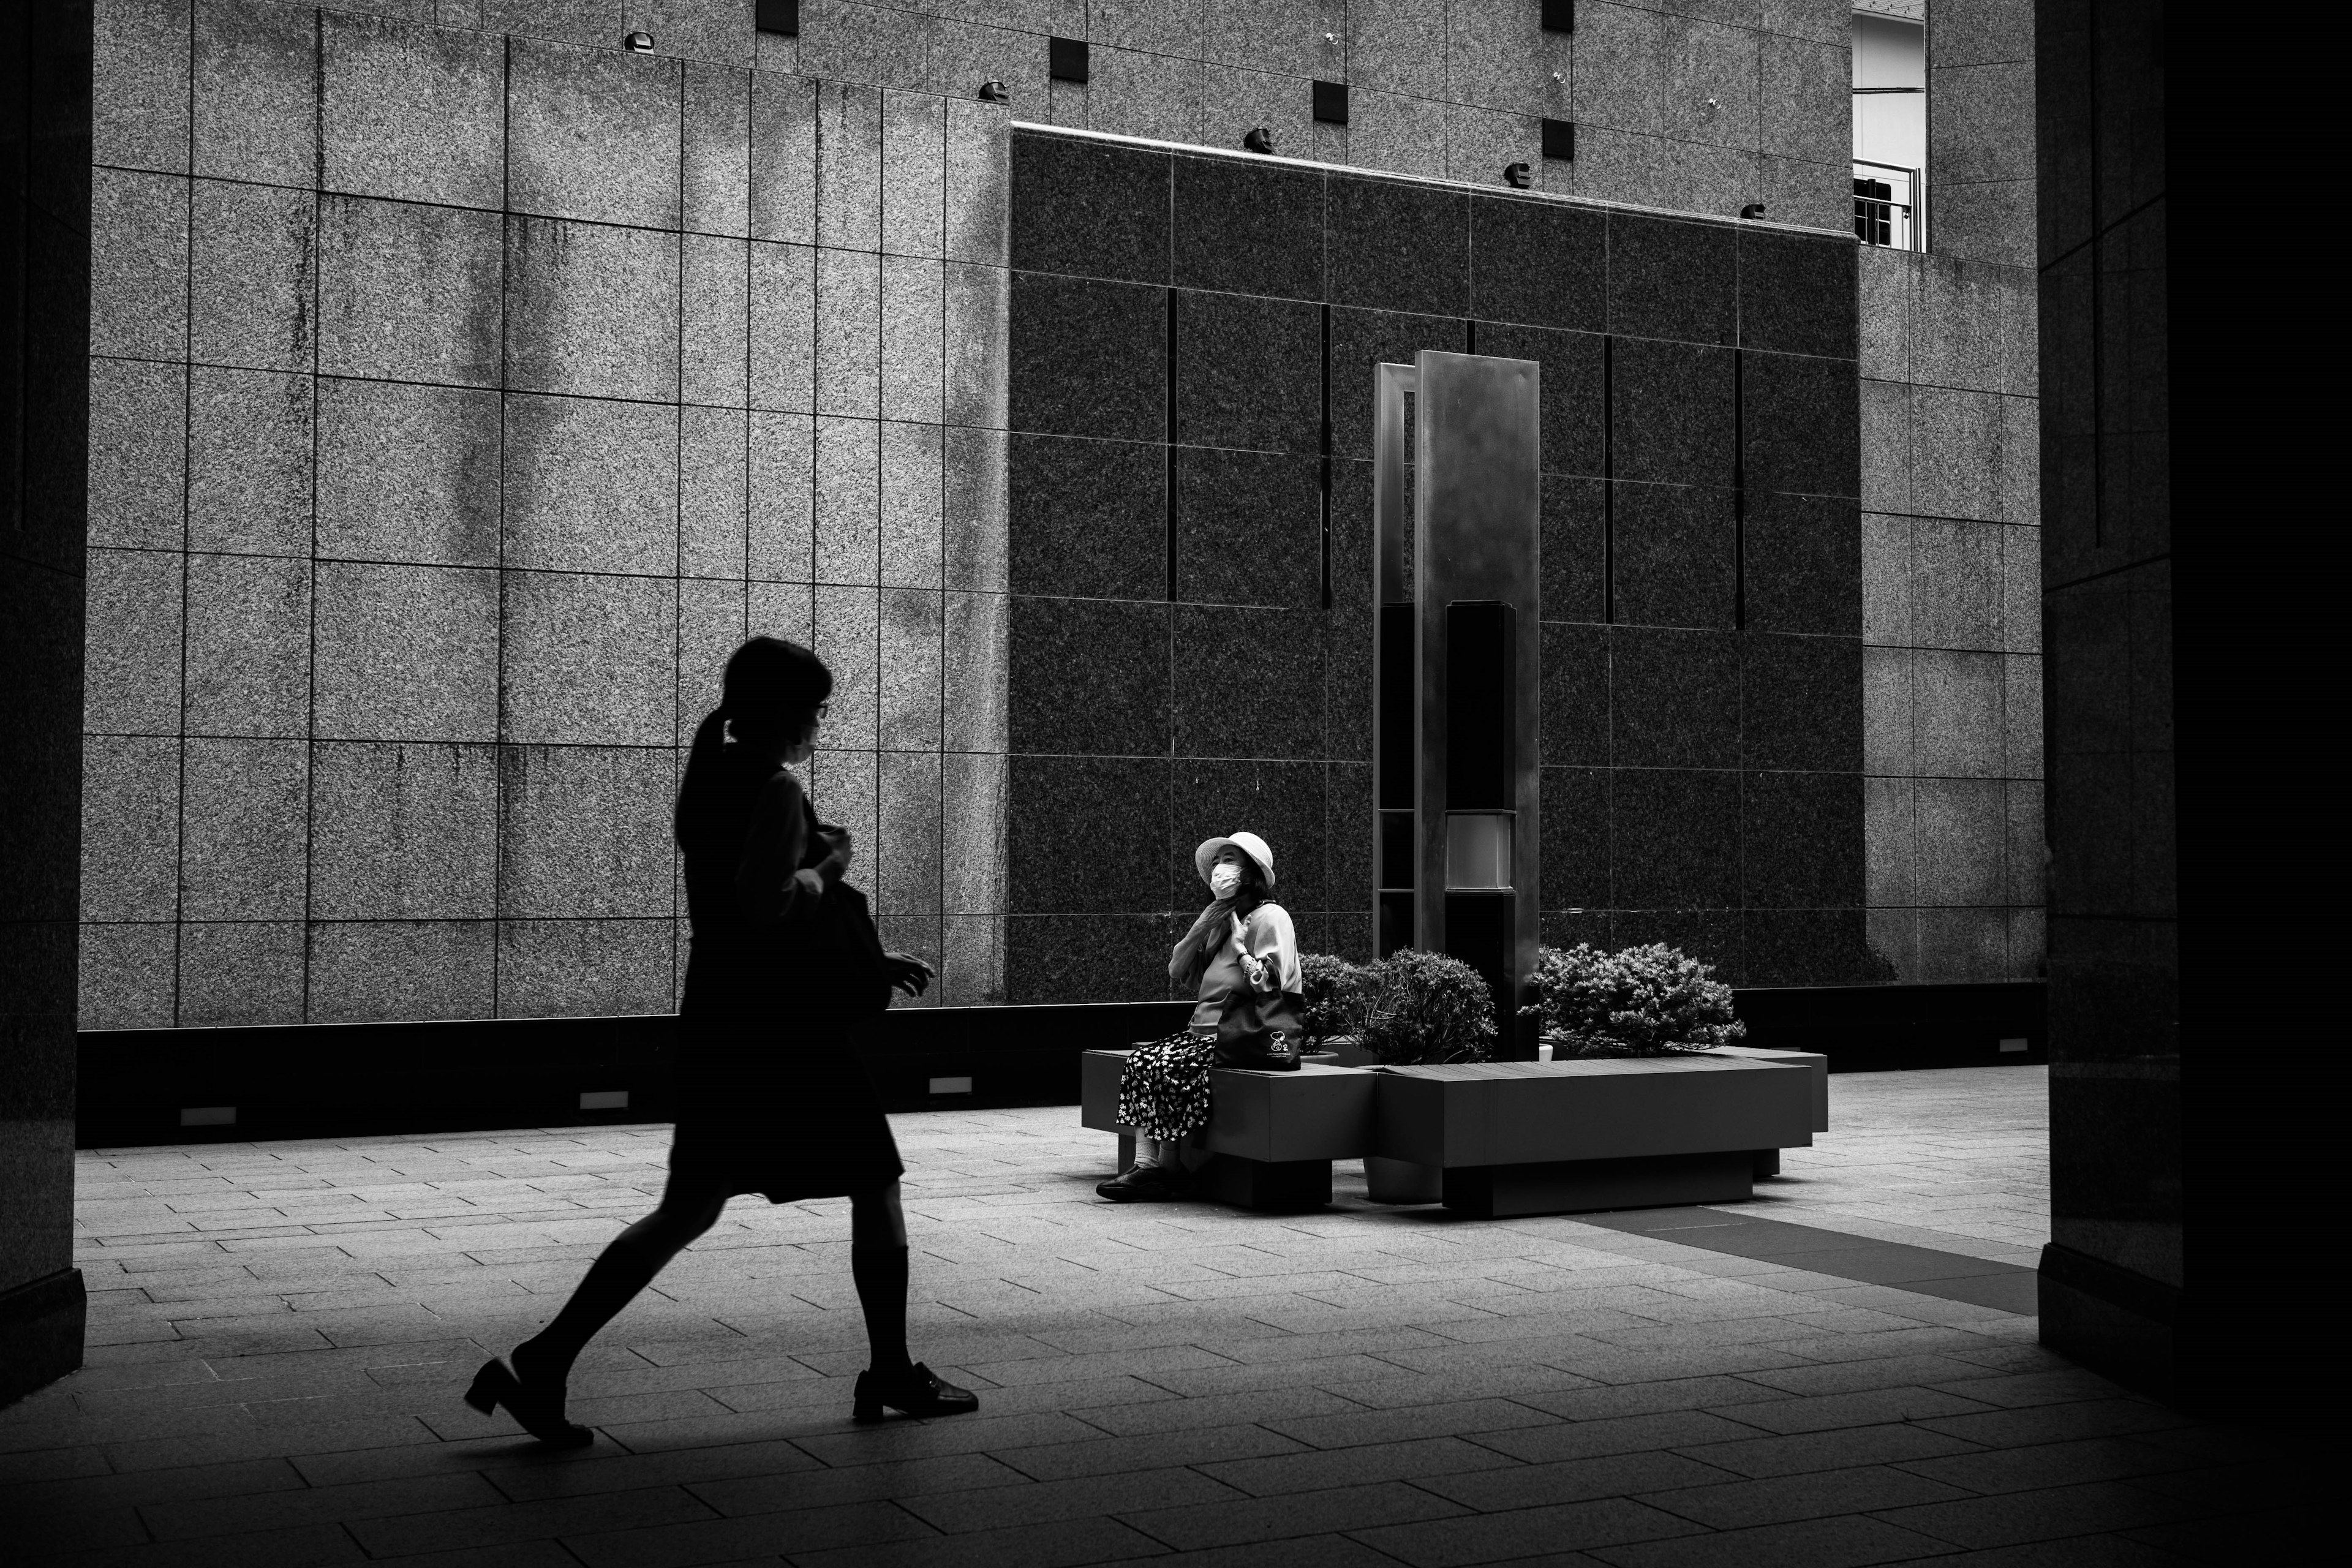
<point>772,1097</point>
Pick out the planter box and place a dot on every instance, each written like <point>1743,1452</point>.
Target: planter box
<point>1272,1134</point>
<point>1517,1138</point>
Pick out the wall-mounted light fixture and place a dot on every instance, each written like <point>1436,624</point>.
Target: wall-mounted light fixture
<point>782,18</point>
<point>1066,59</point>
<point>995,92</point>
<point>1560,141</point>
<point>639,43</point>
<point>1258,139</point>
<point>1753,209</point>
<point>1331,102</point>
<point>1519,176</point>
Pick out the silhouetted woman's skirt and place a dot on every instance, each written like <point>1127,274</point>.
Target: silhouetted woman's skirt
<point>773,1101</point>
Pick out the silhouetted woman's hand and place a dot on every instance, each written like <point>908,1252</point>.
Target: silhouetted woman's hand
<point>907,972</point>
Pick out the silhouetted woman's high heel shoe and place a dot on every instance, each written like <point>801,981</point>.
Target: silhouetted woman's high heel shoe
<point>917,1391</point>
<point>541,1417</point>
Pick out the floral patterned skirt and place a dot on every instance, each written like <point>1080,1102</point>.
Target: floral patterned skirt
<point>1163,1089</point>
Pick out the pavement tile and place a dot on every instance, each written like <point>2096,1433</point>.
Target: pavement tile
<point>305,1546</point>
<point>1271,1405</point>
<point>1618,1435</point>
<point>1125,1491</point>
<point>1789,1455</point>
<point>1232,1523</point>
<point>1597,1401</point>
<point>540,1520</point>
<point>2057,1423</point>
<point>2053,1464</point>
<point>1104,1456</point>
<point>1456,1419</point>
<point>2055,1513</point>
<point>1571,1480</point>
<point>232,1515</point>
<point>794,1532</point>
<point>1865,1407</point>
<point>1525,1533</point>
<point>753,1490</point>
<point>1847,1543</point>
<point>1329,1469</point>
<point>1061,1543</point>
<point>1736,1504</point>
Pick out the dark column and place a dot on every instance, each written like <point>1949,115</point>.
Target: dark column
<point>44,404</point>
<point>2193,688</point>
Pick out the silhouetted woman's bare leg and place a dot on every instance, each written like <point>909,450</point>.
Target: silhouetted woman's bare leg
<point>533,1392</point>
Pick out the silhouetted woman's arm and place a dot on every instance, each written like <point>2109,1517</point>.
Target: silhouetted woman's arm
<point>769,883</point>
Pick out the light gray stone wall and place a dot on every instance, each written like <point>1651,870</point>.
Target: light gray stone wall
<point>1951,547</point>
<point>458,400</point>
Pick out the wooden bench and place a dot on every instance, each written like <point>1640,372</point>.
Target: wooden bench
<point>1272,1136</point>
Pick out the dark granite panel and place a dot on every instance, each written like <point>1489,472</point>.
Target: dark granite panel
<point>1538,262</point>
<point>1674,838</point>
<point>1249,372</point>
<point>1087,958</point>
<point>1576,837</point>
<point>1251,229</point>
<point>1086,208</point>
<point>1347,682</point>
<point>1362,339</point>
<point>1801,419</point>
<point>1575,695</point>
<point>1090,676</point>
<point>1803,560</point>
<point>1349,936</point>
<point>1671,404</point>
<point>1573,548</point>
<point>1675,556</point>
<point>240,972</point>
<point>1246,682</point>
<point>1352,536</point>
<point>244,813</point>
<point>1396,246</point>
<point>1796,294</point>
<point>1674,698</point>
<point>1088,519</point>
<point>1347,836</point>
<point>1714,937</point>
<point>1566,927</point>
<point>1087,833</point>
<point>1089,359</point>
<point>584,831</point>
<point>247,651</point>
<point>1281,801</point>
<point>1249,528</point>
<point>1801,700</point>
<point>1800,840</point>
<point>1812,947</point>
<point>1673,279</point>
<point>1571,391</point>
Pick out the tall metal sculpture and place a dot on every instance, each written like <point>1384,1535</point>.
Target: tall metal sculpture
<point>1457,838</point>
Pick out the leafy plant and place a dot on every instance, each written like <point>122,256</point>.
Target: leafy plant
<point>1640,1002</point>
<point>1426,1007</point>
<point>1338,995</point>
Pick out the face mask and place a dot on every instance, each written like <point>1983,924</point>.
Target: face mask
<point>1226,881</point>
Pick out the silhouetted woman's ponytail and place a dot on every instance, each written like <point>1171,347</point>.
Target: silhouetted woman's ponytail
<point>770,687</point>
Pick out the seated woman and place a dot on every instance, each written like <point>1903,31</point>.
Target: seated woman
<point>1241,947</point>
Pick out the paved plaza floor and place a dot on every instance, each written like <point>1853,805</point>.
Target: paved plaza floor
<point>279,1333</point>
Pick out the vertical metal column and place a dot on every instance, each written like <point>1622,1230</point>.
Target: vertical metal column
<point>1395,667</point>
<point>1470,569</point>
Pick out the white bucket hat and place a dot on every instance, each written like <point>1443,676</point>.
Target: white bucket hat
<point>1249,843</point>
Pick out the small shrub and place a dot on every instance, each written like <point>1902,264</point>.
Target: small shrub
<point>1426,1007</point>
<point>1338,994</point>
<point>1642,1002</point>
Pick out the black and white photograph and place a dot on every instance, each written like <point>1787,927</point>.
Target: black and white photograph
<point>1247,784</point>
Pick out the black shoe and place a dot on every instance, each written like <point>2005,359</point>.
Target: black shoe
<point>1145,1184</point>
<point>539,1413</point>
<point>917,1391</point>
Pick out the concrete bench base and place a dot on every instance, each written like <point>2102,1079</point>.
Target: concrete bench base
<point>1582,1186</point>
<point>1269,1186</point>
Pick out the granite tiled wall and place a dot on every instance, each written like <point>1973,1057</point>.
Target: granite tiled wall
<point>1689,107</point>
<point>459,397</point>
<point>1951,544</point>
<point>1185,662</point>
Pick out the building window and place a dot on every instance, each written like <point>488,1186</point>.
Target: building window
<point>1890,124</point>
